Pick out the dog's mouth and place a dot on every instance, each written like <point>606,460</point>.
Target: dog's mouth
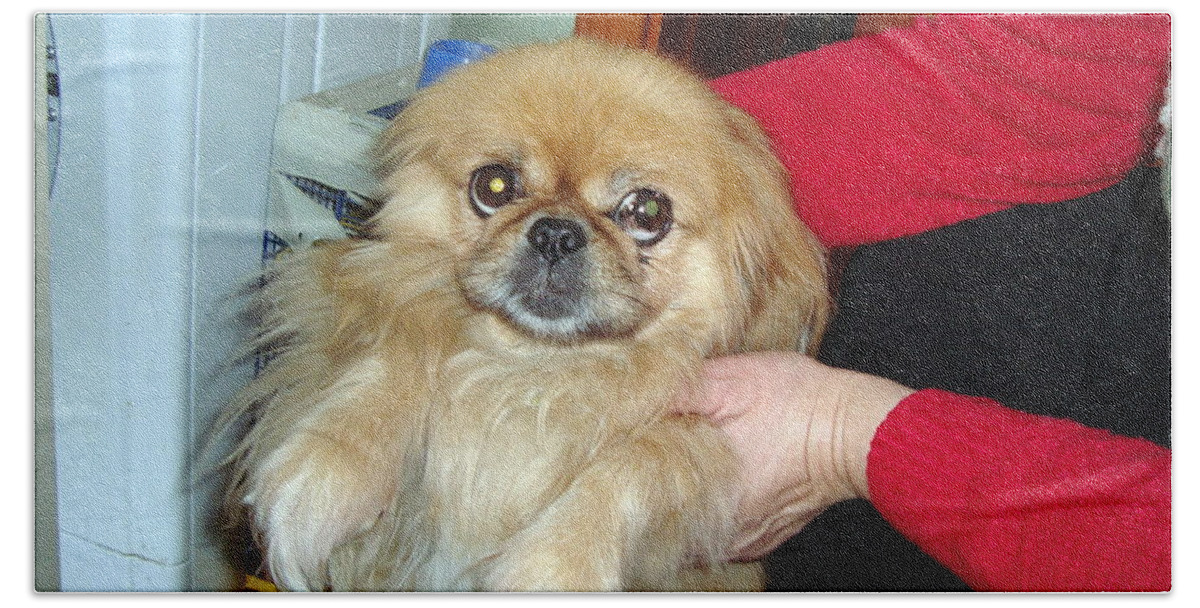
<point>548,290</point>
<point>553,283</point>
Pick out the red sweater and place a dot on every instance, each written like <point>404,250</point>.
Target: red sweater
<point>953,118</point>
<point>1015,502</point>
<point>959,116</point>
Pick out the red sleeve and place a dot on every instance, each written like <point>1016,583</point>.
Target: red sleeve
<point>958,116</point>
<point>1012,501</point>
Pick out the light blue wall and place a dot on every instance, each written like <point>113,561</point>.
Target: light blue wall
<point>122,242</point>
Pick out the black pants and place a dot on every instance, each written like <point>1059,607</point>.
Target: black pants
<point>1061,309</point>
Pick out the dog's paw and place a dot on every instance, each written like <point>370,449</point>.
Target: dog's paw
<point>732,577</point>
<point>307,505</point>
<point>549,563</point>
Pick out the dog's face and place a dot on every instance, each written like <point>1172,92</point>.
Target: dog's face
<point>565,256</point>
<point>579,192</point>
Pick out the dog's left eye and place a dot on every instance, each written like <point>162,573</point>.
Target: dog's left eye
<point>644,215</point>
<point>492,187</point>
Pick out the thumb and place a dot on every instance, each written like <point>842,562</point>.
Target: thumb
<point>695,398</point>
<point>711,393</point>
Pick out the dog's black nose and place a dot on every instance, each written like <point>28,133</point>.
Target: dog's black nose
<point>556,238</point>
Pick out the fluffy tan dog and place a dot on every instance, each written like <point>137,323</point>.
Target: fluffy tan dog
<point>475,397</point>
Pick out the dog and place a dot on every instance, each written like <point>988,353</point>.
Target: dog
<point>475,394</point>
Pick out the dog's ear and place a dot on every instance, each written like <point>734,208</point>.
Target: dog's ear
<point>397,146</point>
<point>780,262</point>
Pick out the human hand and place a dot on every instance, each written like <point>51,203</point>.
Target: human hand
<point>801,431</point>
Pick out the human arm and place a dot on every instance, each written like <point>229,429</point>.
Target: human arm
<point>1006,500</point>
<point>958,116</point>
<point>1016,502</point>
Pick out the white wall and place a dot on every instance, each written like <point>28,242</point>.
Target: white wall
<point>155,216</point>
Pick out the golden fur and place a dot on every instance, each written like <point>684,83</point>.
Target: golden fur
<point>417,432</point>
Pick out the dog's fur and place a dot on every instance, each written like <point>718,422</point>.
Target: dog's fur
<point>424,427</point>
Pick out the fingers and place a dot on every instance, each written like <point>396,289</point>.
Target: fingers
<point>769,521</point>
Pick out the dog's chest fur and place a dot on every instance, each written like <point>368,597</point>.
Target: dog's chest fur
<point>507,425</point>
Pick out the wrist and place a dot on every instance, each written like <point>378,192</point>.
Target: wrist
<point>866,404</point>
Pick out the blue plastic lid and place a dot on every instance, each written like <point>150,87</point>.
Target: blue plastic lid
<point>445,55</point>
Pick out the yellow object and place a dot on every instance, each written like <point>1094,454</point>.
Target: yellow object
<point>253,583</point>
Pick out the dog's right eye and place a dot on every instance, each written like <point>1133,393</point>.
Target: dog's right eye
<point>492,187</point>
